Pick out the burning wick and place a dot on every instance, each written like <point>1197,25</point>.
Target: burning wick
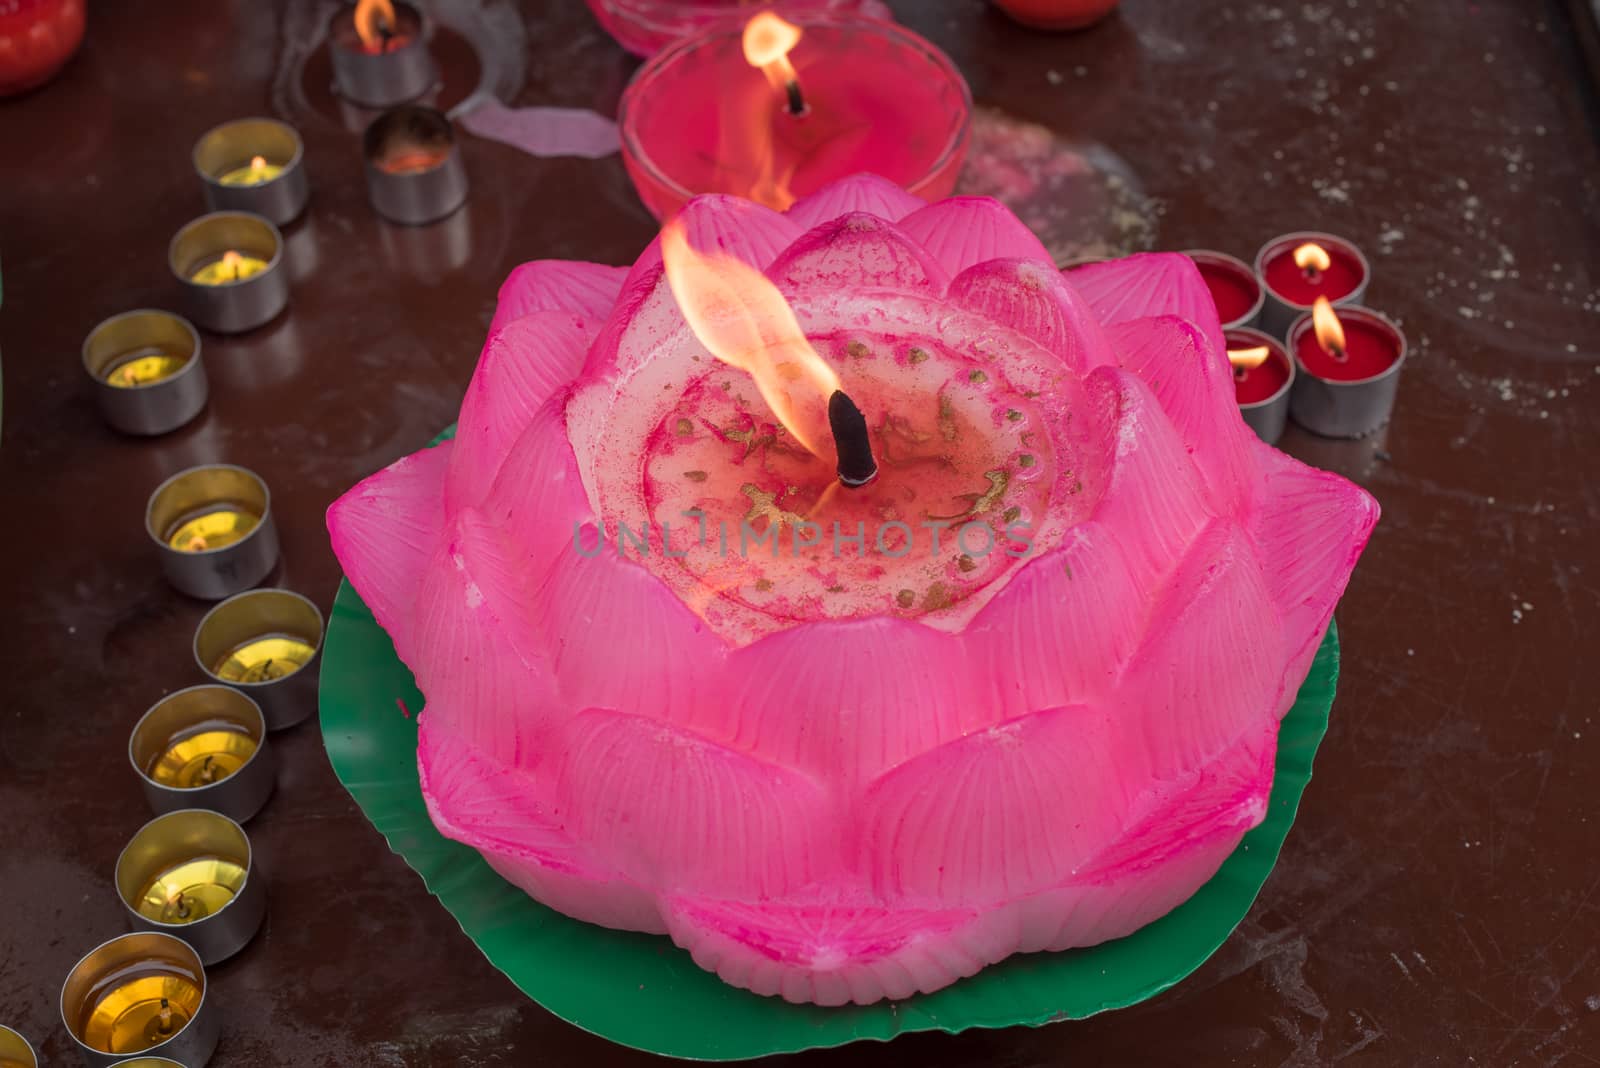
<point>1243,360</point>
<point>164,1017</point>
<point>375,24</point>
<point>1312,259</point>
<point>767,42</point>
<point>1329,331</point>
<point>856,464</point>
<point>232,260</point>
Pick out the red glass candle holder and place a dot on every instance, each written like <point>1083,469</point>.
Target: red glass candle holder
<point>1353,396</point>
<point>1234,287</point>
<point>697,118</point>
<point>1262,391</point>
<point>1057,14</point>
<point>1291,290</point>
<point>37,37</point>
<point>643,27</point>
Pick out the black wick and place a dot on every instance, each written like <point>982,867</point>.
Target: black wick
<point>856,464</point>
<point>797,100</point>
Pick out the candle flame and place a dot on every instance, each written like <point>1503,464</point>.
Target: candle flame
<point>375,23</point>
<point>257,165</point>
<point>1245,359</point>
<point>232,259</point>
<point>1312,257</point>
<point>742,320</point>
<point>768,40</point>
<point>1330,332</point>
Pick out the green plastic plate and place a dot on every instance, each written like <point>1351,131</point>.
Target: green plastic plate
<point>642,991</point>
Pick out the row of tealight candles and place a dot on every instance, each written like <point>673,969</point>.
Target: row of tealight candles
<point>1301,344</point>
<point>188,879</point>
<point>145,365</point>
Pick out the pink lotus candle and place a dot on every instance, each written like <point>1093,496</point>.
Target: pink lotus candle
<point>776,110</point>
<point>838,762</point>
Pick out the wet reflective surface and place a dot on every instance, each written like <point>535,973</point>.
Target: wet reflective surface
<point>1438,898</point>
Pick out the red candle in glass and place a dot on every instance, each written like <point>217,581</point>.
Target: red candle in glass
<point>698,118</point>
<point>1057,14</point>
<point>1234,288</point>
<point>644,26</point>
<point>1295,269</point>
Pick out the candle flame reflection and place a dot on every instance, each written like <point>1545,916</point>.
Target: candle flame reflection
<point>1312,257</point>
<point>375,24</point>
<point>742,320</point>
<point>1330,332</point>
<point>1245,359</point>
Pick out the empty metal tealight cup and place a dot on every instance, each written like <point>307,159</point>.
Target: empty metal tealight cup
<point>142,993</point>
<point>265,644</point>
<point>15,1050</point>
<point>213,528</point>
<point>414,169</point>
<point>229,265</point>
<point>254,165</point>
<point>146,371</point>
<point>189,874</point>
<point>204,747</point>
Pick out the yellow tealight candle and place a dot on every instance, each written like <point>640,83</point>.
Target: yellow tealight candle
<point>142,367</point>
<point>257,171</point>
<point>227,269</point>
<point>211,529</point>
<point>191,890</point>
<point>140,1006</point>
<point>271,656</point>
<point>202,755</point>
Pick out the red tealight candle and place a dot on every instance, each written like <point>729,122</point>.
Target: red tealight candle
<point>1351,360</point>
<point>1298,268</point>
<point>1262,373</point>
<point>1234,288</point>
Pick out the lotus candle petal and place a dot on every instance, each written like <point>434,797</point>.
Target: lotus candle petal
<point>861,777</point>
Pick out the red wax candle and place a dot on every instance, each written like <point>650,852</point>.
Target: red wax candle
<point>1344,277</point>
<point>1371,347</point>
<point>698,118</point>
<point>376,29</point>
<point>1233,286</point>
<point>1266,380</point>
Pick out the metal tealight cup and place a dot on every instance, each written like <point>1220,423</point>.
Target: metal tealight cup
<point>212,574</point>
<point>252,616</point>
<point>414,170</point>
<point>155,407</point>
<point>194,835</point>
<point>231,146</point>
<point>190,1043</point>
<point>240,794</point>
<point>234,307</point>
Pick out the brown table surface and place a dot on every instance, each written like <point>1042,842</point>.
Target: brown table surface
<point>1439,900</point>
